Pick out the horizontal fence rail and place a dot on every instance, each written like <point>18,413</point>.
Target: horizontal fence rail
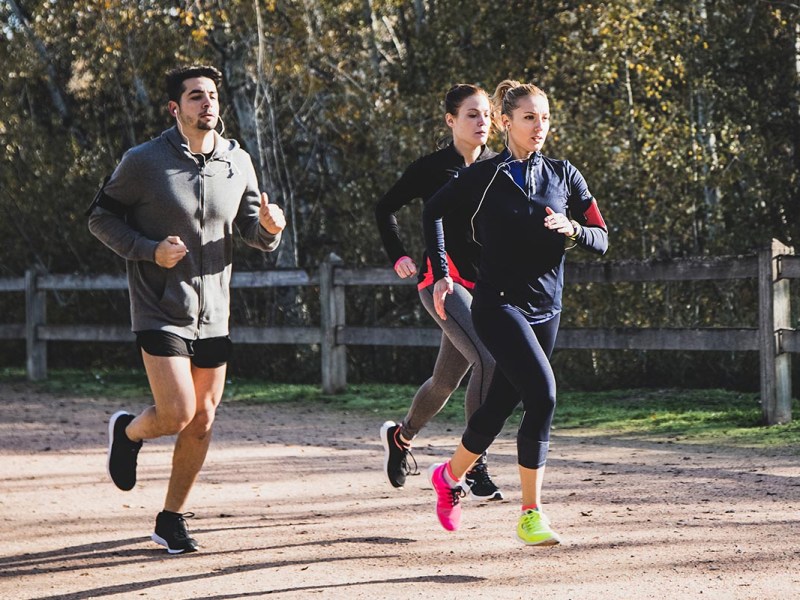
<point>774,338</point>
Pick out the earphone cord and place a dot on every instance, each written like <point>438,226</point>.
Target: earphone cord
<point>186,139</point>
<point>180,130</point>
<point>483,197</point>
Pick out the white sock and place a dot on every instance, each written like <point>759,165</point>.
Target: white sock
<point>448,477</point>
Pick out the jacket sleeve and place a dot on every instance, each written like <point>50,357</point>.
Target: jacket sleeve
<point>399,195</point>
<point>442,203</point>
<point>107,219</point>
<point>247,217</point>
<point>583,208</point>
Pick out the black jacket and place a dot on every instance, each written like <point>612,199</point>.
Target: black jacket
<point>422,179</point>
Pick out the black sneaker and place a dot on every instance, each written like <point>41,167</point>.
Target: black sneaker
<point>171,532</point>
<point>481,485</point>
<point>122,452</point>
<point>396,455</point>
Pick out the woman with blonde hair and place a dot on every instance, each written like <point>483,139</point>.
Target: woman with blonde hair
<point>523,208</point>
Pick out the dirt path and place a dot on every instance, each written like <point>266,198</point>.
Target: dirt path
<point>292,504</point>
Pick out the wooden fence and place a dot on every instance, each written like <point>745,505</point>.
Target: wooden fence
<point>774,338</point>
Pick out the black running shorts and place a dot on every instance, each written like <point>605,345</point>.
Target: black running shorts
<point>207,353</point>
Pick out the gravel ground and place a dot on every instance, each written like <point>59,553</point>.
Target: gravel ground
<point>292,503</point>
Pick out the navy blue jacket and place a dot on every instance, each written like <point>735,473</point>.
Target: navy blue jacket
<point>521,262</point>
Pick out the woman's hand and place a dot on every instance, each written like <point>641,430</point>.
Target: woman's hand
<point>405,267</point>
<point>559,223</point>
<point>441,289</point>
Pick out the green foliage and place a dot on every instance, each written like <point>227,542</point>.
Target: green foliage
<point>714,417</point>
<point>689,416</point>
<point>683,116</point>
<point>120,383</point>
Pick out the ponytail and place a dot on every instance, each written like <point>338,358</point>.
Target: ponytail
<point>506,97</point>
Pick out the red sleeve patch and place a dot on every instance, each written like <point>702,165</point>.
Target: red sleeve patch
<point>593,216</point>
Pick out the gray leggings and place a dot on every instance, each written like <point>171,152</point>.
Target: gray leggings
<point>460,349</point>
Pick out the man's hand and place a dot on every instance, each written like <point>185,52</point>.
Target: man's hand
<point>170,251</point>
<point>271,216</point>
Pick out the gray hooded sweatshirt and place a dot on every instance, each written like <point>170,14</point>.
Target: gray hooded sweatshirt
<point>160,189</point>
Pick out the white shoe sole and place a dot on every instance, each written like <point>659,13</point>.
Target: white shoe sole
<point>498,495</point>
<point>553,541</point>
<point>387,452</point>
<point>162,542</point>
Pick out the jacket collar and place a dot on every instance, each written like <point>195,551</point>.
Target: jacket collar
<point>222,146</point>
<point>451,149</point>
<point>505,157</point>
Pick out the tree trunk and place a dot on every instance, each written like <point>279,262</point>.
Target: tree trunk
<point>795,203</point>
<point>707,141</point>
<point>57,96</point>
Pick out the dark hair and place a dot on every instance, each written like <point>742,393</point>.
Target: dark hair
<point>175,78</point>
<point>456,95</point>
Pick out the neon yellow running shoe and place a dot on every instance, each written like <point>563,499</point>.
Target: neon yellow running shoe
<point>533,529</point>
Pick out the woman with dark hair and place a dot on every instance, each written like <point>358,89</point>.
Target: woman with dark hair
<point>467,114</point>
<point>523,208</point>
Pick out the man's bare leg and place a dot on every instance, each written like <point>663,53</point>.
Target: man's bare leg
<point>193,441</point>
<point>185,401</point>
<point>174,398</point>
<point>186,398</point>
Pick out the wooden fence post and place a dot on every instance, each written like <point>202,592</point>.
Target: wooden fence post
<point>35,315</point>
<point>332,318</point>
<point>774,308</point>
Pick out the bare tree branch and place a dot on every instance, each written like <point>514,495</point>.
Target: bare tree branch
<point>57,95</point>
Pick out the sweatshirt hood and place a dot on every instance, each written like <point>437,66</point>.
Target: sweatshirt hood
<point>223,147</point>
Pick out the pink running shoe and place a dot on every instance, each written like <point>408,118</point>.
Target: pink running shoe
<point>448,507</point>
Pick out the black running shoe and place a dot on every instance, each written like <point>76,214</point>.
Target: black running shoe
<point>171,532</point>
<point>122,452</point>
<point>396,455</point>
<point>481,485</point>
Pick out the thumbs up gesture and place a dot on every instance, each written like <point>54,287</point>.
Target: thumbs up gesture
<point>271,216</point>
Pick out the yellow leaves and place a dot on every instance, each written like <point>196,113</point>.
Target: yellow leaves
<point>81,80</point>
<point>201,22</point>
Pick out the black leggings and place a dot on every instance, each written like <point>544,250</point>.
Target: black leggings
<point>523,372</point>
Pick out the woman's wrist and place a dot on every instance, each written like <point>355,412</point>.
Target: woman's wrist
<point>399,260</point>
<point>576,229</point>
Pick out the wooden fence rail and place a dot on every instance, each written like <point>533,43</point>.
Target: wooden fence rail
<point>774,339</point>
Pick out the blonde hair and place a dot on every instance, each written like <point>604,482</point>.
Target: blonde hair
<point>506,97</point>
